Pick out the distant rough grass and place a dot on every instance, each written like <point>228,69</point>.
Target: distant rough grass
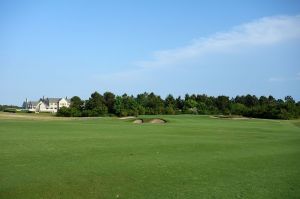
<point>297,123</point>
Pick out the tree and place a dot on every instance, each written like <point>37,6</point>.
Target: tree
<point>131,105</point>
<point>119,108</point>
<point>169,110</point>
<point>190,106</point>
<point>223,104</point>
<point>179,103</point>
<point>289,108</point>
<point>170,105</point>
<point>149,103</point>
<point>263,100</point>
<point>202,108</point>
<point>251,100</point>
<point>156,103</point>
<point>74,112</point>
<point>109,100</point>
<point>239,109</point>
<point>152,103</point>
<point>76,103</point>
<point>64,112</point>
<point>95,105</point>
<point>170,101</point>
<point>126,105</point>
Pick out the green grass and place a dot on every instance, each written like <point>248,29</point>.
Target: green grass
<point>188,157</point>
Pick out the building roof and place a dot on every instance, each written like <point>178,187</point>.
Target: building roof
<point>53,100</point>
<point>46,101</point>
<point>68,100</point>
<point>33,103</point>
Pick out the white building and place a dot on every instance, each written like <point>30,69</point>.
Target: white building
<point>46,104</point>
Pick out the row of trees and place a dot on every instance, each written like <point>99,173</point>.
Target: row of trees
<point>151,104</point>
<point>8,108</point>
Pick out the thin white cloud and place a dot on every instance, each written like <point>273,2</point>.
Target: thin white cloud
<point>284,79</point>
<point>262,32</point>
<point>277,79</point>
<point>265,31</point>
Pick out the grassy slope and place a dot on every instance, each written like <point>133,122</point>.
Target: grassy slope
<point>189,157</point>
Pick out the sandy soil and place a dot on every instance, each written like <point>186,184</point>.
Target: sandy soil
<point>138,121</point>
<point>157,121</point>
<point>231,118</point>
<point>128,117</point>
<point>152,121</point>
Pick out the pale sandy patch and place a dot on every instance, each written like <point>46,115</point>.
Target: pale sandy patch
<point>128,117</point>
<point>157,121</point>
<point>139,121</point>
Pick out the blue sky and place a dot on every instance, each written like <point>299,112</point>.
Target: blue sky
<point>66,48</point>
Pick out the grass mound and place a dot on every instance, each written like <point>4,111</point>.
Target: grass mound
<point>236,117</point>
<point>126,118</point>
<point>157,121</point>
<point>149,120</point>
<point>138,121</point>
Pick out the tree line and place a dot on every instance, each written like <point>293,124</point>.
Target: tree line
<point>8,108</point>
<point>152,104</point>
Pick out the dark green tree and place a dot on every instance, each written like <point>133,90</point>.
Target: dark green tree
<point>76,103</point>
<point>223,104</point>
<point>109,100</point>
<point>96,105</point>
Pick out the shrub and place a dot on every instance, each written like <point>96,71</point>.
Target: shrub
<point>10,110</point>
<point>64,111</point>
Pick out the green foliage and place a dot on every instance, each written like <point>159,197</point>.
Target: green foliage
<point>126,105</point>
<point>119,106</point>
<point>170,102</point>
<point>75,112</point>
<point>190,103</point>
<point>10,110</point>
<point>7,108</point>
<point>109,100</point>
<point>64,112</point>
<point>96,105</point>
<point>26,111</point>
<point>76,103</point>
<point>202,108</point>
<point>239,109</point>
<point>169,110</point>
<point>151,104</point>
<point>190,106</point>
<point>223,104</point>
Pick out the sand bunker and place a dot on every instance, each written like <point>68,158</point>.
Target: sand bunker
<point>151,121</point>
<point>232,117</point>
<point>128,117</point>
<point>157,121</point>
<point>138,121</point>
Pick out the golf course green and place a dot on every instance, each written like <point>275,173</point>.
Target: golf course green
<point>189,156</point>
